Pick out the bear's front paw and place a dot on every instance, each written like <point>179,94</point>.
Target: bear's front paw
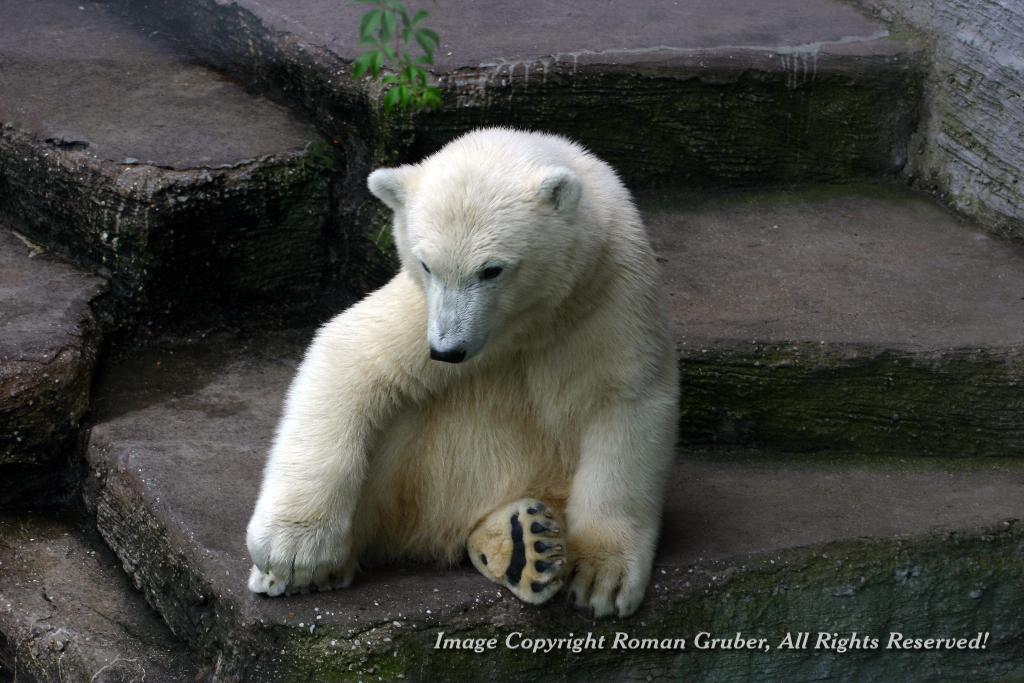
<point>291,556</point>
<point>520,546</point>
<point>272,585</point>
<point>605,581</point>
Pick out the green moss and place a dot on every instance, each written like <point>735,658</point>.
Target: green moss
<point>321,158</point>
<point>936,586</point>
<point>672,199</point>
<point>802,122</point>
<point>840,461</point>
<point>806,397</point>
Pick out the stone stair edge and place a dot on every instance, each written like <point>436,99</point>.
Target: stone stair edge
<point>141,524</point>
<point>119,190</point>
<point>719,599</point>
<point>854,398</point>
<point>74,158</point>
<point>299,70</point>
<point>712,64</point>
<point>369,647</point>
<point>145,196</point>
<point>53,629</point>
<point>47,363</point>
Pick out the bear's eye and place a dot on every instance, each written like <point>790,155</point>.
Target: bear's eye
<point>425,266</point>
<point>490,272</point>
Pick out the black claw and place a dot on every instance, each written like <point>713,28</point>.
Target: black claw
<point>542,566</point>
<point>531,510</point>
<point>538,586</point>
<point>541,546</point>
<point>538,527</point>
<point>483,559</point>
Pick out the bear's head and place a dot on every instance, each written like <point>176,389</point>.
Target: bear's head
<point>492,235</point>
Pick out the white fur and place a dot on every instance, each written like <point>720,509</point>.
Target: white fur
<point>569,394</point>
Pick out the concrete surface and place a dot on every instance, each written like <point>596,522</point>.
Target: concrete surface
<point>49,339</point>
<point>859,318</point>
<point>114,93</point>
<point>484,33</point>
<point>727,92</point>
<point>864,265</point>
<point>164,176</point>
<point>209,410</point>
<point>68,613</point>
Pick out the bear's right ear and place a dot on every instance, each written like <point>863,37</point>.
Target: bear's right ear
<point>389,186</point>
<point>561,187</point>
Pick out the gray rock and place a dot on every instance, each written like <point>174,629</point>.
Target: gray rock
<point>970,147</point>
<point>225,202</point>
<point>752,541</point>
<point>67,612</point>
<point>866,319</point>
<point>49,339</point>
<point>716,92</point>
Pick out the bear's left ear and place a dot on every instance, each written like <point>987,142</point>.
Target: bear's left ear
<point>562,188</point>
<point>389,186</point>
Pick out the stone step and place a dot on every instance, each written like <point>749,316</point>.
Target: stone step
<point>752,542</point>
<point>49,339</point>
<point>165,176</point>
<point>708,90</point>
<point>858,318</point>
<point>67,612</point>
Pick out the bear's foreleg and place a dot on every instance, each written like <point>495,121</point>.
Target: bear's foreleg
<point>614,507</point>
<point>520,546</point>
<point>362,366</point>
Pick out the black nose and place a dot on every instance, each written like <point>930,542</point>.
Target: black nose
<point>453,356</point>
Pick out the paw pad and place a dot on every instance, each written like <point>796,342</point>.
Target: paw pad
<point>520,547</point>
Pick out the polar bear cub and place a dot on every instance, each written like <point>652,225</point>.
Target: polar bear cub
<point>511,392</point>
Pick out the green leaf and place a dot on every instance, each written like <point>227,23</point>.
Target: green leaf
<point>391,99</point>
<point>362,64</point>
<point>432,97</point>
<point>390,23</point>
<point>430,35</point>
<point>369,23</point>
<point>406,84</point>
<point>428,40</point>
